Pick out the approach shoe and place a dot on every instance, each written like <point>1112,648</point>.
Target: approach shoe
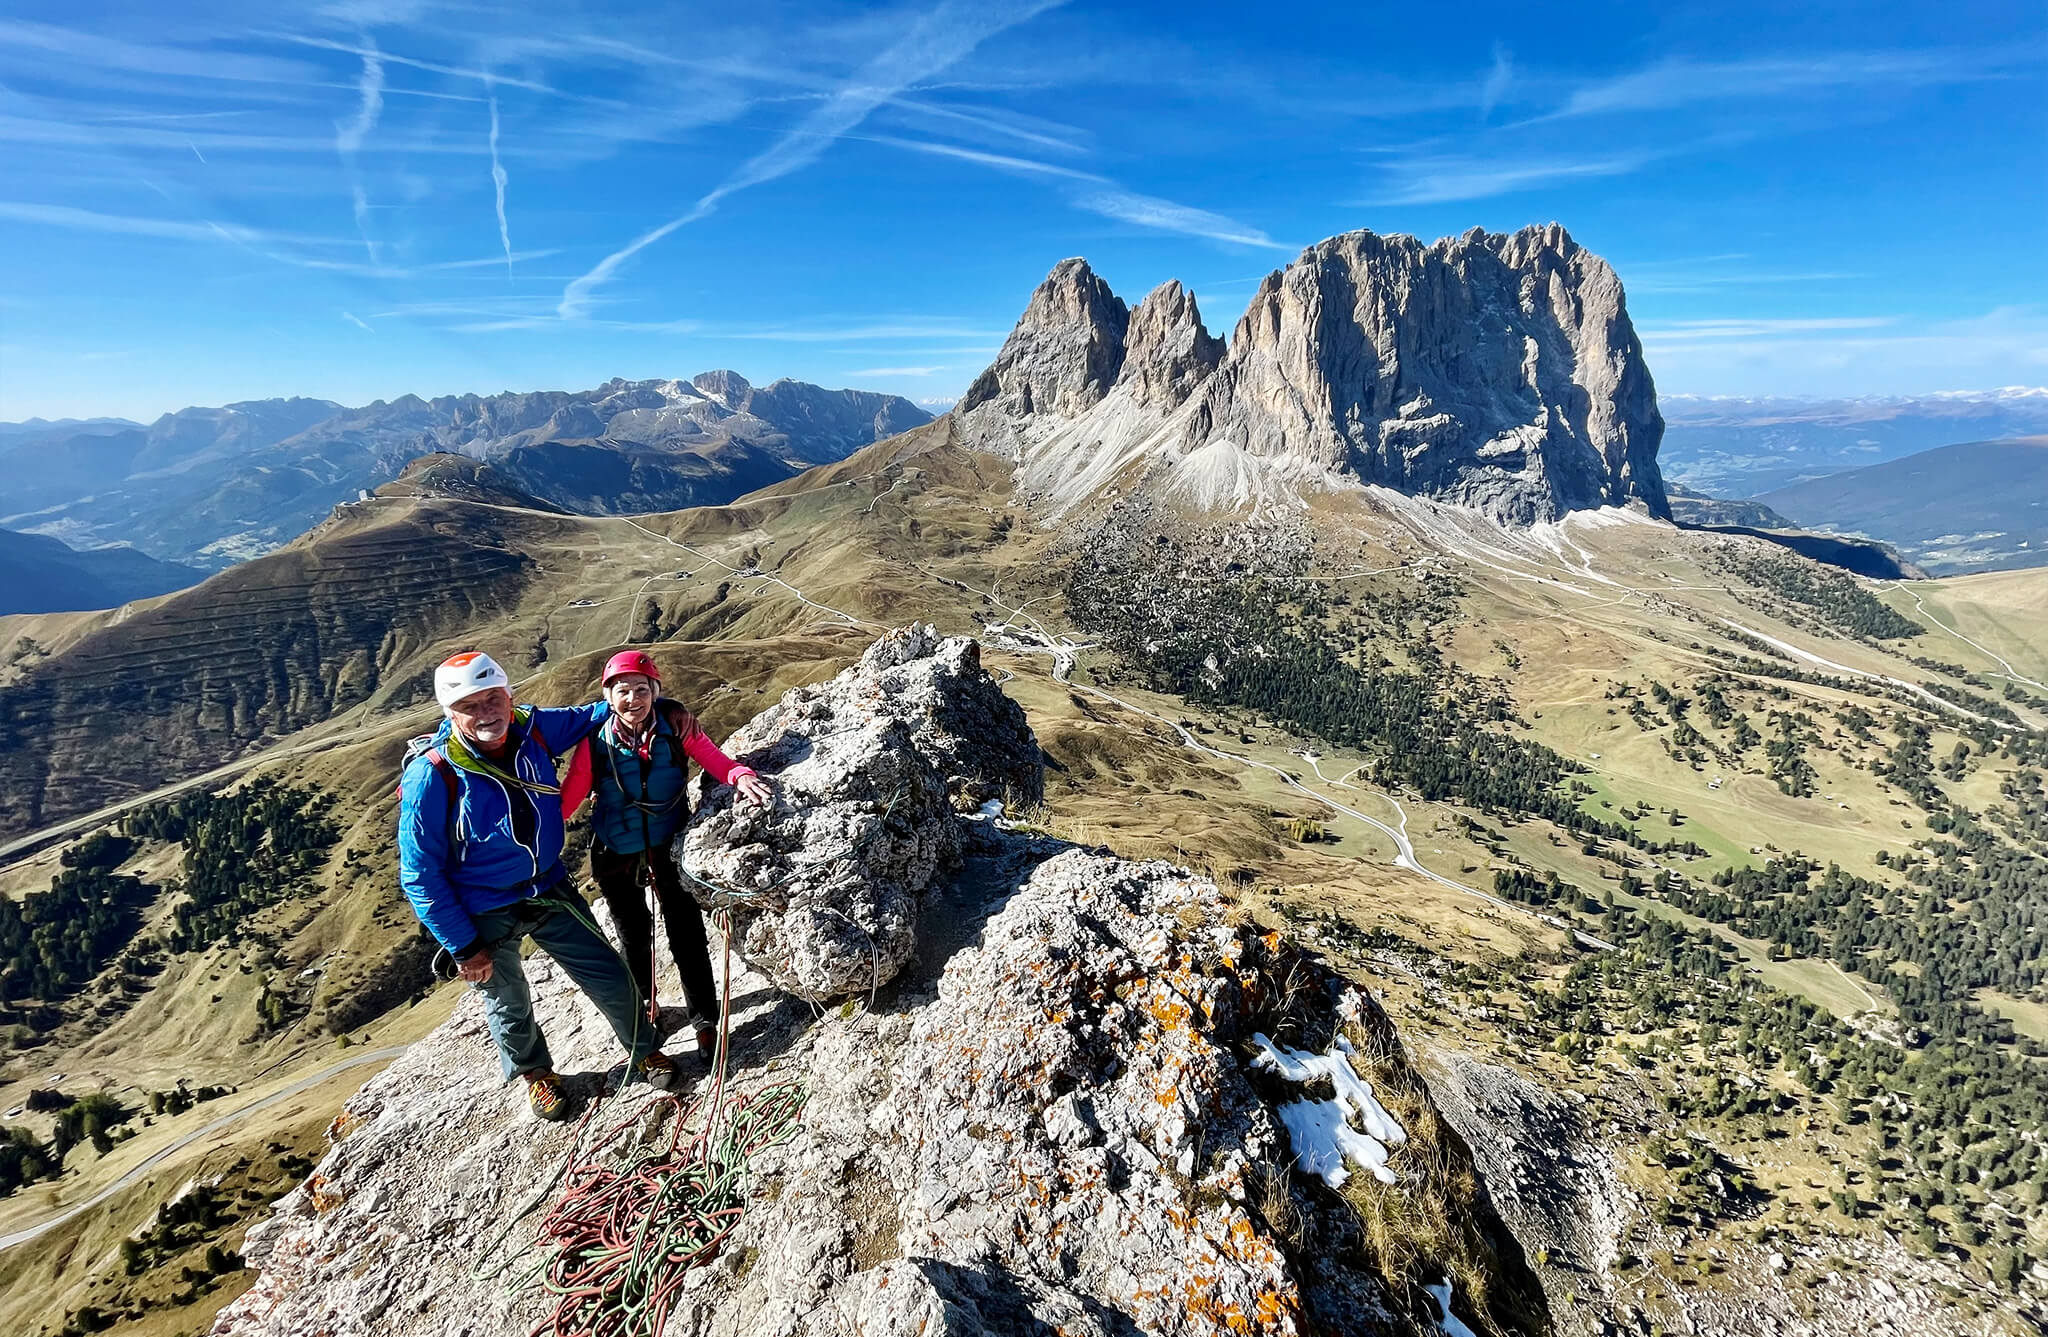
<point>545,1096</point>
<point>658,1070</point>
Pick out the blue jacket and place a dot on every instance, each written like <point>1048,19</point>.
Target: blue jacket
<point>507,839</point>
<point>637,805</point>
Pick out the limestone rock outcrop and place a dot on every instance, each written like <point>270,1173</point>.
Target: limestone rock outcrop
<point>1494,371</point>
<point>824,885</point>
<point>1065,352</point>
<point>1167,351</point>
<point>1060,1116</point>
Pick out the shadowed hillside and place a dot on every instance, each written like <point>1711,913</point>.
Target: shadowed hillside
<point>43,575</point>
<point>256,652</point>
<point>1978,506</point>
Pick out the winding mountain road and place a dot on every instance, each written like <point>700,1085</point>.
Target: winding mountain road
<point>157,1157</point>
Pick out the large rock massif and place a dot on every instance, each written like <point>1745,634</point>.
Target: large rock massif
<point>1494,371</point>
<point>1051,1121</point>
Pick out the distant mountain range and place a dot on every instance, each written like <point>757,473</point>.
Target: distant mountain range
<point>1746,447</point>
<point>211,486</point>
<point>39,574</point>
<point>1974,506</point>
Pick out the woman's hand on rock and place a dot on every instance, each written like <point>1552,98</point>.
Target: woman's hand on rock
<point>754,789</point>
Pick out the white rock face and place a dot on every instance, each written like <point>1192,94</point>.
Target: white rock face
<point>1065,352</point>
<point>1167,352</point>
<point>825,884</point>
<point>1049,1131</point>
<point>1499,372</point>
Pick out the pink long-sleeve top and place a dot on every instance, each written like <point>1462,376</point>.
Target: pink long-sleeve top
<point>580,780</point>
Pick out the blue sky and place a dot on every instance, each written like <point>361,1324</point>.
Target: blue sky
<point>204,202</point>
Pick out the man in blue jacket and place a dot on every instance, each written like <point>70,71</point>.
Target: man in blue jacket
<point>480,858</point>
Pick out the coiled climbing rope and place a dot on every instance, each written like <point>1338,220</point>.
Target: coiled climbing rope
<point>619,1243</point>
<point>629,1225</point>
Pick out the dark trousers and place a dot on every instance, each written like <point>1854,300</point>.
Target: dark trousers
<point>563,930</point>
<point>622,879</point>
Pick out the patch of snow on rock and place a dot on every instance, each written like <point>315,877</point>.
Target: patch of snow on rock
<point>1321,1130</point>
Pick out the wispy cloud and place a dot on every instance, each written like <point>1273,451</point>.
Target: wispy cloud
<point>1002,162</point>
<point>1678,83</point>
<point>1023,130</point>
<point>1165,216</point>
<point>413,62</point>
<point>357,321</point>
<point>350,134</point>
<point>1706,273</point>
<point>2007,345</point>
<point>1683,330</point>
<point>860,333</point>
<point>98,50</point>
<point>386,270</point>
<point>86,220</point>
<point>1434,179</point>
<point>1099,194</point>
<point>1497,80</point>
<point>498,180</point>
<point>934,42</point>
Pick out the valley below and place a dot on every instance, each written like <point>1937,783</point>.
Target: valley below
<point>1564,933</point>
<point>1691,895</point>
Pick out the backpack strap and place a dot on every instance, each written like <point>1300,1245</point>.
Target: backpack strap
<point>423,746</point>
<point>453,785</point>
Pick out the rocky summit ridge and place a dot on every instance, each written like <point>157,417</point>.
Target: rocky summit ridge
<point>1065,1098</point>
<point>1495,371</point>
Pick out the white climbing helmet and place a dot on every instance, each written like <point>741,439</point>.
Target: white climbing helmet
<point>466,675</point>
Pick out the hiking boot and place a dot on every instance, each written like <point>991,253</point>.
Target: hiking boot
<point>707,1041</point>
<point>545,1097</point>
<point>658,1070</point>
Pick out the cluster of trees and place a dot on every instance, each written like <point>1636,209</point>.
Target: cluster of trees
<point>181,1223</point>
<point>53,941</point>
<point>244,850</point>
<point>1833,596</point>
<point>1786,754</point>
<point>25,1158</point>
<point>1954,1161</point>
<point>1280,649</point>
<point>182,1097</point>
<point>90,1118</point>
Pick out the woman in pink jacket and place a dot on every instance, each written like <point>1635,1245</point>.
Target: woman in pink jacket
<point>636,767</point>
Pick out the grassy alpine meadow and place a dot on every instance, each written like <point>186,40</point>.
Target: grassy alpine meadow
<point>1616,716</point>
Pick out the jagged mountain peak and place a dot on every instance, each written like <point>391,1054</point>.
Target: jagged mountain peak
<point>1494,370</point>
<point>1065,352</point>
<point>728,387</point>
<point>1167,350</point>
